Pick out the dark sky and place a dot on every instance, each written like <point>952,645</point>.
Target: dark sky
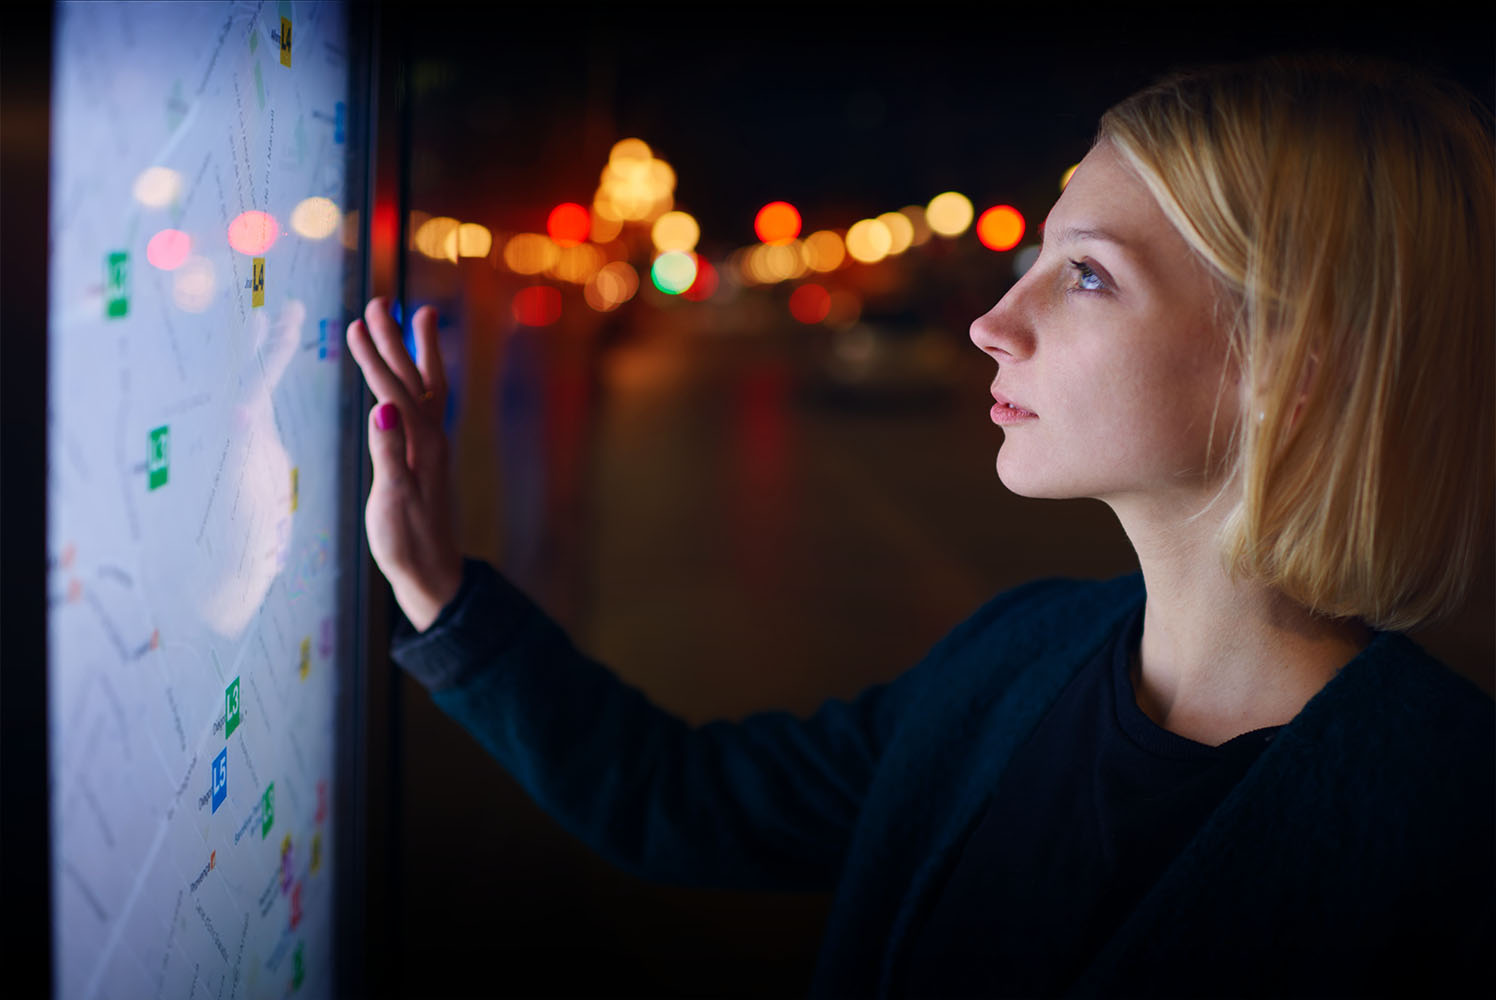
<point>843,110</point>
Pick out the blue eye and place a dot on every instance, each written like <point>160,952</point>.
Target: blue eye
<point>1087,280</point>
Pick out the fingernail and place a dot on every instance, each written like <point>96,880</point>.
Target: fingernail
<point>387,416</point>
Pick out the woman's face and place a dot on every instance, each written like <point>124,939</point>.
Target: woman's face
<point>1112,343</point>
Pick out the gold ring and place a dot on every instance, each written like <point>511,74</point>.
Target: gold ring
<point>427,396</point>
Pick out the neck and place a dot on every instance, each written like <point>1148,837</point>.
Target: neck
<point>1219,657</point>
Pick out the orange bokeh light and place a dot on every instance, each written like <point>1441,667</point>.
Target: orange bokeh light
<point>538,305</point>
<point>777,222</point>
<point>253,232</point>
<point>1000,227</point>
<point>568,224</point>
<point>810,303</point>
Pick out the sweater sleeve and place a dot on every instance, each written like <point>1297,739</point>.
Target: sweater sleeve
<point>769,802</point>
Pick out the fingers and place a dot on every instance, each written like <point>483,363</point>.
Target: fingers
<point>429,354</point>
<point>391,344</point>
<point>387,447</point>
<point>385,385</point>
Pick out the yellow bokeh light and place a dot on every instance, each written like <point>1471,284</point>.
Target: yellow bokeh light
<point>916,216</point>
<point>900,228</point>
<point>157,186</point>
<point>437,238</point>
<point>949,214</point>
<point>606,224</point>
<point>315,218</point>
<point>612,286</point>
<point>769,263</point>
<point>530,253</point>
<point>413,225</point>
<point>824,251</point>
<point>869,241</point>
<point>1065,177</point>
<point>675,231</point>
<point>630,149</point>
<point>577,264</point>
<point>473,240</point>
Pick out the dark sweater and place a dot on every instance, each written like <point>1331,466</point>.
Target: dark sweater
<point>1354,857</point>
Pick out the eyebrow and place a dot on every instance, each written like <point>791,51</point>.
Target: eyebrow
<point>1074,233</point>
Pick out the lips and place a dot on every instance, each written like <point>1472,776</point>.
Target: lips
<point>1015,407</point>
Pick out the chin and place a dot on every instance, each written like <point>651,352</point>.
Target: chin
<point>1036,484</point>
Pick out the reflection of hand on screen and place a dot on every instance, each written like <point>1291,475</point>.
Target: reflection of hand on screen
<point>409,513</point>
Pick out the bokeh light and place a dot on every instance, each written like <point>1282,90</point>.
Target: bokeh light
<point>916,216</point>
<point>613,285</point>
<point>824,251</point>
<point>630,149</point>
<point>810,303</point>
<point>577,264</point>
<point>193,285</point>
<point>769,263</point>
<point>1000,227</point>
<point>705,284</point>
<point>675,231</point>
<point>473,240</point>
<point>777,222</point>
<point>868,241</point>
<point>900,229</point>
<point>437,238</point>
<point>538,305</point>
<point>315,218</point>
<point>949,214</point>
<point>568,224</point>
<point>168,249</point>
<point>253,232</point>
<point>1065,177</point>
<point>673,272</point>
<point>157,187</point>
<point>604,228</point>
<point>530,253</point>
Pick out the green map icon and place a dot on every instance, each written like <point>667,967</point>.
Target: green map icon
<point>231,708</point>
<point>267,810</point>
<point>158,455</point>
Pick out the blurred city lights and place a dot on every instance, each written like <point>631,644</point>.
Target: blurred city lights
<point>538,305</point>
<point>769,263</point>
<point>473,240</point>
<point>605,228</point>
<point>157,186</point>
<point>868,241</point>
<point>568,224</point>
<point>949,214</point>
<point>611,286</point>
<point>630,149</point>
<point>1065,177</point>
<point>530,253</point>
<point>705,284</point>
<point>253,232</point>
<point>810,303</point>
<point>634,186</point>
<point>1000,227</point>
<point>437,238</point>
<point>916,216</point>
<point>675,231</point>
<point>824,251</point>
<point>315,218</point>
<point>193,285</point>
<point>168,249</point>
<point>673,272</point>
<point>577,264</point>
<point>777,222</point>
<point>900,228</point>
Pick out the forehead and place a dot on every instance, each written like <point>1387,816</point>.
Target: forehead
<point>1104,195</point>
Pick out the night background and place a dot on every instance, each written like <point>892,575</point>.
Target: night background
<point>752,497</point>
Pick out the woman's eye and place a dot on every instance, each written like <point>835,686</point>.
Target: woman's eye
<point>1086,279</point>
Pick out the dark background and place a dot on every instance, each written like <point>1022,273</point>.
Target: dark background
<point>675,484</point>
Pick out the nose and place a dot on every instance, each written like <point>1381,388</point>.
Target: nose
<point>1005,332</point>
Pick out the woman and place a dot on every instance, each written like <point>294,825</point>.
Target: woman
<point>1260,329</point>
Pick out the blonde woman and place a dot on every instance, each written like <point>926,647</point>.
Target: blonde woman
<point>1260,329</point>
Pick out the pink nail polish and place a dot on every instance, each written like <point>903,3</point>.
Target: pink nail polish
<point>387,416</point>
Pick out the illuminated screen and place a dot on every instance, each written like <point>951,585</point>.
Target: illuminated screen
<point>202,429</point>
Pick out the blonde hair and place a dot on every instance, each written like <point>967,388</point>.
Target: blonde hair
<point>1346,210</point>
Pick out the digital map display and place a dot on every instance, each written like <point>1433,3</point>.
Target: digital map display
<point>200,429</point>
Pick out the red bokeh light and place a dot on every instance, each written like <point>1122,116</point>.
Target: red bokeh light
<point>1000,227</point>
<point>568,224</point>
<point>777,222</point>
<point>168,249</point>
<point>810,303</point>
<point>705,283</point>
<point>538,305</point>
<point>253,232</point>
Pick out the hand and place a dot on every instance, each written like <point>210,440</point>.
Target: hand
<point>409,514</point>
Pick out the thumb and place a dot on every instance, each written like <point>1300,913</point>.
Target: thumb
<point>387,447</point>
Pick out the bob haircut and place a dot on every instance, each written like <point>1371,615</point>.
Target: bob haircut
<point>1345,208</point>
